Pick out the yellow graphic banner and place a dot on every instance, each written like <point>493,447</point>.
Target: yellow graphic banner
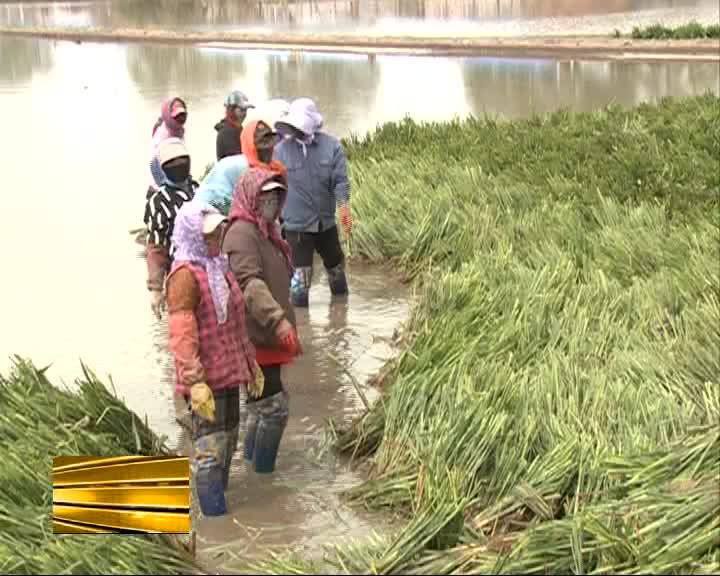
<point>123,494</point>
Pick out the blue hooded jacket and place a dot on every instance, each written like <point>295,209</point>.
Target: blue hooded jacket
<point>218,186</point>
<point>317,171</point>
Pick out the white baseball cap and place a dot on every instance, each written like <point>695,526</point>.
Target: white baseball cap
<point>272,185</point>
<point>211,221</point>
<point>171,148</point>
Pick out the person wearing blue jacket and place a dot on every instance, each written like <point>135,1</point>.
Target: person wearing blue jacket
<point>318,186</point>
<point>217,187</point>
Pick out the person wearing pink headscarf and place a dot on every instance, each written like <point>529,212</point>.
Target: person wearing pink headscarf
<point>260,261</point>
<point>170,124</point>
<point>214,357</point>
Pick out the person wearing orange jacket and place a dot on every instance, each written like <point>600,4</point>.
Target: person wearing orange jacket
<point>260,261</point>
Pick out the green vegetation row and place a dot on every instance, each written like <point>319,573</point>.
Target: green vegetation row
<point>557,407</point>
<point>39,421</point>
<point>689,31</point>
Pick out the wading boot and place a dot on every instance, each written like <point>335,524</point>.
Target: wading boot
<point>208,468</point>
<point>231,446</point>
<point>266,425</point>
<point>300,286</point>
<point>337,280</point>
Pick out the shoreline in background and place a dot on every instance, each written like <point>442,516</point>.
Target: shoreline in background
<point>585,47</point>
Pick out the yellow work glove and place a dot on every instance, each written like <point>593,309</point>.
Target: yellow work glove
<point>203,401</point>
<point>258,385</point>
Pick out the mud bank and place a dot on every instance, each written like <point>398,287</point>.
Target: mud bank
<point>586,47</point>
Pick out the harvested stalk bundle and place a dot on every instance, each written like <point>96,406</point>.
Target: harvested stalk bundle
<point>39,421</point>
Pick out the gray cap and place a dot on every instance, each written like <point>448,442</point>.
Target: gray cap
<point>239,99</point>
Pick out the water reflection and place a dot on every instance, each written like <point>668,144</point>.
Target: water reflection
<point>516,88</point>
<point>21,59</point>
<point>342,14</point>
<point>186,70</point>
<point>357,92</point>
<point>344,85</point>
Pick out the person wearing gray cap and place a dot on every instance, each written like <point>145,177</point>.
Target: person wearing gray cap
<point>229,128</point>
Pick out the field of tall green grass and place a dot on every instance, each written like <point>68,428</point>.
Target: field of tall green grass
<point>556,408</point>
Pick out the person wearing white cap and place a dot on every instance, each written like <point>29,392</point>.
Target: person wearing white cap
<point>227,142</point>
<point>318,185</point>
<point>161,206</point>
<point>270,111</point>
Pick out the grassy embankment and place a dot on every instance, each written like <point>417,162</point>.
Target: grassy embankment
<point>690,31</point>
<point>557,407</point>
<point>39,421</point>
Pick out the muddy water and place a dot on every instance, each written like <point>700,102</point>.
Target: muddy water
<point>76,123</point>
<point>425,17</point>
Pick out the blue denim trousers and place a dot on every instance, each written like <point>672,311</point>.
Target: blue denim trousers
<point>213,446</point>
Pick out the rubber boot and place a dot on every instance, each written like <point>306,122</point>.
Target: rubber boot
<point>337,280</point>
<point>251,433</point>
<point>300,286</point>
<point>208,465</point>
<point>211,494</point>
<point>263,441</point>
<point>230,447</point>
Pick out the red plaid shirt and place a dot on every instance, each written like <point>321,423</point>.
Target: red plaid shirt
<point>226,353</point>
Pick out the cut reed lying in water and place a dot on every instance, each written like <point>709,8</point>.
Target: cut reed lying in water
<point>39,421</point>
<point>658,522</point>
<point>562,388</point>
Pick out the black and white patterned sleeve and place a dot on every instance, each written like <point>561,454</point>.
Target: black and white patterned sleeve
<point>157,217</point>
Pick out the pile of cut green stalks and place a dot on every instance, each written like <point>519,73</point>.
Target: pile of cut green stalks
<point>557,409</point>
<point>39,421</point>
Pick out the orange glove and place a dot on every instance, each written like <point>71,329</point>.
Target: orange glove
<point>346,219</point>
<point>291,343</point>
<point>287,337</point>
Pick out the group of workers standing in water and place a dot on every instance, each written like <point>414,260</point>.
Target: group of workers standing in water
<point>230,259</point>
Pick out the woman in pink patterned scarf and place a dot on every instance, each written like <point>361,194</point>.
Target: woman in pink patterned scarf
<point>213,354</point>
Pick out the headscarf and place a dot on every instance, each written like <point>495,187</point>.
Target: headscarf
<point>190,246</point>
<point>174,128</point>
<point>245,205</point>
<point>167,150</point>
<point>247,144</point>
<point>303,115</point>
<point>217,187</point>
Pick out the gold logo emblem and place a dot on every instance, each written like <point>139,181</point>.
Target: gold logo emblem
<point>124,494</point>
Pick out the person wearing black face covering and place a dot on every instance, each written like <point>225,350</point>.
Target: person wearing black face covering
<point>161,206</point>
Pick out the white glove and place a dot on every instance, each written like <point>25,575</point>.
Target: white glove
<point>157,302</point>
